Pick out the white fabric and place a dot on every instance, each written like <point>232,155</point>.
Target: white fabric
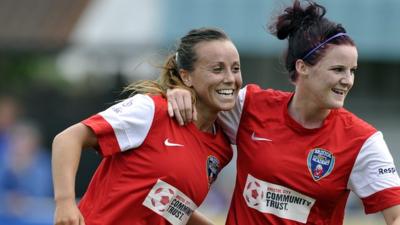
<point>374,169</point>
<point>275,199</point>
<point>170,203</point>
<point>229,120</point>
<point>131,120</point>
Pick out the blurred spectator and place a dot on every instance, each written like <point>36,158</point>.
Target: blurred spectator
<point>9,113</point>
<point>25,175</point>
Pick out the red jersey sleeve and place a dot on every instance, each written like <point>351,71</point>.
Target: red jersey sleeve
<point>123,126</point>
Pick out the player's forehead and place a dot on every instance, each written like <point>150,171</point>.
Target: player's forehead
<point>216,51</point>
<point>345,55</point>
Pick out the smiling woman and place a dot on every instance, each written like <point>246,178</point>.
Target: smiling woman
<point>301,153</point>
<point>324,86</point>
<point>216,77</point>
<point>153,167</point>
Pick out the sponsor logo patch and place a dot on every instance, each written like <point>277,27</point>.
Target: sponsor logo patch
<point>212,169</point>
<point>277,200</point>
<point>387,170</point>
<point>170,203</point>
<point>320,163</point>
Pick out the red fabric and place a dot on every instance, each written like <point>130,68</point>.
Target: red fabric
<point>284,160</point>
<point>382,200</point>
<point>123,180</point>
<point>105,135</point>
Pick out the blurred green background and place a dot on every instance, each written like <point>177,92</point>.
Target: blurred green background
<point>62,61</point>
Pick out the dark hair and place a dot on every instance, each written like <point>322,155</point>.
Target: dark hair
<point>184,58</point>
<point>305,27</point>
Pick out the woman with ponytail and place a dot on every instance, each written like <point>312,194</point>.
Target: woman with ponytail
<point>300,153</point>
<point>153,171</point>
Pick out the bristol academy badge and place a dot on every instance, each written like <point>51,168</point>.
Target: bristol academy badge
<point>212,169</point>
<point>320,163</point>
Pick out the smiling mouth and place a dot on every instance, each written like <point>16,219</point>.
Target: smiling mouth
<point>225,92</point>
<point>338,91</point>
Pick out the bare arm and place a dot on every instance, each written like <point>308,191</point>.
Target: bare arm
<point>198,219</point>
<point>392,215</point>
<point>66,154</point>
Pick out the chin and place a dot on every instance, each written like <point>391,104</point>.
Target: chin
<point>336,105</point>
<point>227,106</point>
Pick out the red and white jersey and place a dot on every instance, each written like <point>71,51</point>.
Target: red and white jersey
<point>288,175</point>
<point>153,171</point>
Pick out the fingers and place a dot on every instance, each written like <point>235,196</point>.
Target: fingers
<point>175,110</point>
<point>68,221</point>
<point>171,102</point>
<point>170,109</point>
<point>81,220</point>
<point>181,107</point>
<point>194,113</point>
<point>187,109</point>
<point>67,213</point>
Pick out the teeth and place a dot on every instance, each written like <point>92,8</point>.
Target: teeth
<point>225,92</point>
<point>340,92</point>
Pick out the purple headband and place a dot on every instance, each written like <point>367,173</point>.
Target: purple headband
<point>323,43</point>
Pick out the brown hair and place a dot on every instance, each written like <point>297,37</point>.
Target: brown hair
<point>184,58</point>
<point>305,27</point>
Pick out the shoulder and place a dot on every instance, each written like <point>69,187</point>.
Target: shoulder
<point>352,128</point>
<point>149,108</point>
<point>146,103</point>
<point>160,101</point>
<point>354,124</point>
<point>135,102</point>
<point>255,90</point>
<point>255,93</point>
<point>160,107</point>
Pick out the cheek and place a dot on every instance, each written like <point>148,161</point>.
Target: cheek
<point>351,81</point>
<point>239,80</point>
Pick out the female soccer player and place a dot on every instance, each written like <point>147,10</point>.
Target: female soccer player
<point>153,170</point>
<point>301,153</point>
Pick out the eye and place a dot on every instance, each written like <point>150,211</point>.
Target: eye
<point>353,71</point>
<point>236,69</point>
<point>338,69</point>
<point>217,69</point>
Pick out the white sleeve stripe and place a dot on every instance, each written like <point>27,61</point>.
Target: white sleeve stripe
<point>120,134</point>
<point>374,169</point>
<point>229,120</point>
<point>131,120</point>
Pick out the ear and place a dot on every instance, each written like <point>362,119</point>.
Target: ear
<point>302,69</point>
<point>186,78</point>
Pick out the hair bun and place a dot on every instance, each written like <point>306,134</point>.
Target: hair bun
<point>296,18</point>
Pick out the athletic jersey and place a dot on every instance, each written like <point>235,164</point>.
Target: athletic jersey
<point>287,174</point>
<point>153,171</point>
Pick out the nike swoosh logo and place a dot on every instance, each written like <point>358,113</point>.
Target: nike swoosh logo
<point>255,138</point>
<point>167,143</point>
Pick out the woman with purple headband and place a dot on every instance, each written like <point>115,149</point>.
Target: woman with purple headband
<point>301,153</point>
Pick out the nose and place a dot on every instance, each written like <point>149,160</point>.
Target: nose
<point>229,77</point>
<point>347,79</point>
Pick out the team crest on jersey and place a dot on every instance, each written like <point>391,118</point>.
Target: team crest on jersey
<point>320,163</point>
<point>212,169</point>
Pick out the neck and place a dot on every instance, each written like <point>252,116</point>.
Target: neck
<point>205,119</point>
<point>306,112</point>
